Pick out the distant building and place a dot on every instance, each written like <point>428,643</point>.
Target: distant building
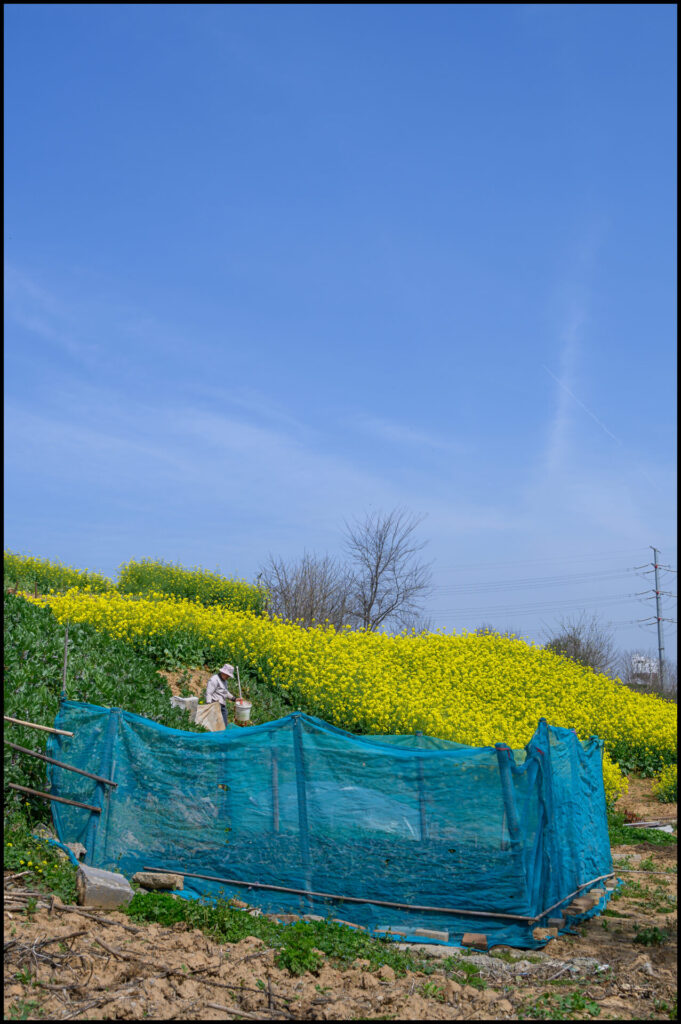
<point>644,668</point>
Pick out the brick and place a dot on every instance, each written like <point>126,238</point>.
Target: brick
<point>474,939</point>
<point>349,924</point>
<point>388,929</point>
<point>429,933</point>
<point>579,906</point>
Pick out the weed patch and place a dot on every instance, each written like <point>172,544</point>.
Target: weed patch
<point>554,1007</point>
<point>300,945</point>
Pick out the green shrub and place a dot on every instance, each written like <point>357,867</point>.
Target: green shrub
<point>148,576</point>
<point>101,670</point>
<point>620,835</point>
<point>664,786</point>
<point>296,942</point>
<point>28,573</point>
<point>46,869</point>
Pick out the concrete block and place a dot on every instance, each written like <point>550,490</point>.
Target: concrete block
<point>158,880</point>
<point>105,889</point>
<point>428,933</point>
<point>312,917</point>
<point>474,939</point>
<point>596,894</point>
<point>556,922</point>
<point>543,934</point>
<point>389,930</point>
<point>349,924</point>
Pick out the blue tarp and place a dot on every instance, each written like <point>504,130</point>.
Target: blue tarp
<point>459,837</point>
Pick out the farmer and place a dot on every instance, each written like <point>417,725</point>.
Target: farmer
<point>216,689</point>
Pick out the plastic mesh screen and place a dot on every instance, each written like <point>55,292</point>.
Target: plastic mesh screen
<point>459,837</point>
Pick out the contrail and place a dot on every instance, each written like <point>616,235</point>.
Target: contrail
<point>601,425</point>
<point>584,407</point>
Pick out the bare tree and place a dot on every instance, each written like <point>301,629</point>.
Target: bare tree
<point>387,579</point>
<point>585,640</point>
<point>312,589</point>
<point>486,627</point>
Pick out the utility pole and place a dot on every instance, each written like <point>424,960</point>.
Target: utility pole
<point>660,639</point>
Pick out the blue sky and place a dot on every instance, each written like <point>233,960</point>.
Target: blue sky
<point>268,267</point>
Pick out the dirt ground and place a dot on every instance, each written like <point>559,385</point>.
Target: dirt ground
<point>195,679</point>
<point>640,804</point>
<point>61,965</point>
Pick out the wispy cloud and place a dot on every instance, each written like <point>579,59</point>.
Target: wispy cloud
<point>404,434</point>
<point>42,314</point>
<point>558,438</point>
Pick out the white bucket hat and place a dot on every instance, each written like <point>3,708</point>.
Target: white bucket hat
<point>227,670</point>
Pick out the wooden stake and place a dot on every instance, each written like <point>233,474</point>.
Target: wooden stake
<point>66,653</point>
<point>32,725</point>
<point>59,799</point>
<point>59,764</point>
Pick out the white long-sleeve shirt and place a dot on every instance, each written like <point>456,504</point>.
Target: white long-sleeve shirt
<point>217,691</point>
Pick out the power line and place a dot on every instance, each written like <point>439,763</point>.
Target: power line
<point>565,605</point>
<point>523,582</point>
<point>594,556</point>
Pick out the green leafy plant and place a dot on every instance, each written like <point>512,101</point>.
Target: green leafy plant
<point>149,576</point>
<point>651,936</point>
<point>464,972</point>
<point>554,1007</point>
<point>664,786</point>
<point>22,1009</point>
<point>28,573</point>
<point>224,923</point>
<point>620,835</point>
<point>635,757</point>
<point>46,871</point>
<point>101,669</point>
<point>432,991</point>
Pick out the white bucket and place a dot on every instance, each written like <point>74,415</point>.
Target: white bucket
<point>242,709</point>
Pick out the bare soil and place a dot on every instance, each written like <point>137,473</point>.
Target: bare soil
<point>640,803</point>
<point>195,678</point>
<point>60,965</point>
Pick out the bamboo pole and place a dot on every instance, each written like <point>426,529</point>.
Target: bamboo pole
<point>49,796</point>
<point>275,792</point>
<point>343,899</point>
<point>378,903</point>
<point>59,764</point>
<point>66,654</point>
<point>32,725</point>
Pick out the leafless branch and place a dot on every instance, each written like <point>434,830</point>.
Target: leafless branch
<point>388,581</point>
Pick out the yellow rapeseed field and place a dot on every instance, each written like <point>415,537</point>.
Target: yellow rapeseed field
<point>477,690</point>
